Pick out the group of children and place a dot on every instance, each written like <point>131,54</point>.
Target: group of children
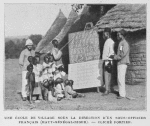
<point>48,81</point>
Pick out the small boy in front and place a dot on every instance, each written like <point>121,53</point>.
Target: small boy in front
<point>69,92</point>
<point>30,76</point>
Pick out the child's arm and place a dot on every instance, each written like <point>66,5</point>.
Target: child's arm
<point>27,75</point>
<point>70,91</point>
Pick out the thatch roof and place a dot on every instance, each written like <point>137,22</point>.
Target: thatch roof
<point>53,31</point>
<point>63,32</point>
<point>131,17</point>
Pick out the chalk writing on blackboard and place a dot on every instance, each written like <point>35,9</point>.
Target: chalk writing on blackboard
<point>84,46</point>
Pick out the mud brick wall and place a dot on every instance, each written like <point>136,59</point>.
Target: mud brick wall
<point>136,72</point>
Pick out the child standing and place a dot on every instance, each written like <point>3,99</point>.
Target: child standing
<point>30,76</point>
<point>37,68</point>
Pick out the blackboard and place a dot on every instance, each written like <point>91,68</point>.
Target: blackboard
<point>84,46</point>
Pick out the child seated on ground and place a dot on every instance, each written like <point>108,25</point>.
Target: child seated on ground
<point>59,85</point>
<point>69,92</point>
<point>62,72</point>
<point>37,68</point>
<point>47,76</point>
<point>30,76</point>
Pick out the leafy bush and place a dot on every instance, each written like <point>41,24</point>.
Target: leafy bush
<point>13,47</point>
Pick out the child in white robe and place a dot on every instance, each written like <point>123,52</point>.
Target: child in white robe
<point>59,83</point>
<point>37,69</point>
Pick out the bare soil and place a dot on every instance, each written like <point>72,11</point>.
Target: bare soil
<point>91,101</point>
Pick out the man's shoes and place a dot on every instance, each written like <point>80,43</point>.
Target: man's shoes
<point>24,98</point>
<point>120,97</point>
<point>105,93</point>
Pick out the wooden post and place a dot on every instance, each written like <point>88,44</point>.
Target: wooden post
<point>98,89</point>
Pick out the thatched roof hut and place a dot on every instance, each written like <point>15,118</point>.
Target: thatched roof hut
<point>62,33</point>
<point>53,31</point>
<point>131,17</point>
<point>90,13</point>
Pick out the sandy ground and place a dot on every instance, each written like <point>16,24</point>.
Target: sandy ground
<point>92,101</point>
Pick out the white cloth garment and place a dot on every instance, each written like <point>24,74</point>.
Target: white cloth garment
<point>59,89</point>
<point>47,73</point>
<point>58,75</point>
<point>121,79</point>
<point>37,69</point>
<point>23,59</point>
<point>108,49</point>
<point>24,83</point>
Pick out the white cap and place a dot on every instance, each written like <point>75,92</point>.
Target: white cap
<point>29,42</point>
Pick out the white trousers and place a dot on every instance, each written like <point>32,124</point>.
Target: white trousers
<point>121,79</point>
<point>24,83</point>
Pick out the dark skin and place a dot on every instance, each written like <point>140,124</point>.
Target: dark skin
<point>30,59</point>
<point>38,60</point>
<point>106,35</point>
<point>55,43</point>
<point>51,59</point>
<point>47,60</point>
<point>31,85</point>
<point>119,37</point>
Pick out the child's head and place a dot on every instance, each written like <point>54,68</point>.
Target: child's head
<point>37,58</point>
<point>56,70</point>
<point>71,82</point>
<point>30,59</point>
<point>58,81</point>
<point>55,43</point>
<point>46,59</point>
<point>30,67</point>
<point>51,58</point>
<point>66,82</point>
<point>46,83</point>
<point>61,68</point>
<point>34,61</point>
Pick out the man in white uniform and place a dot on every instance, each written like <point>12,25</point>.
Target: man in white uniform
<point>108,50</point>
<point>23,62</point>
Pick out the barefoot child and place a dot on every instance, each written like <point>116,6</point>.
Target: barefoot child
<point>47,75</point>
<point>69,92</point>
<point>37,68</point>
<point>59,85</point>
<point>30,76</point>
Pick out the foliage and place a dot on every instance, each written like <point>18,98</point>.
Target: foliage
<point>13,47</point>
